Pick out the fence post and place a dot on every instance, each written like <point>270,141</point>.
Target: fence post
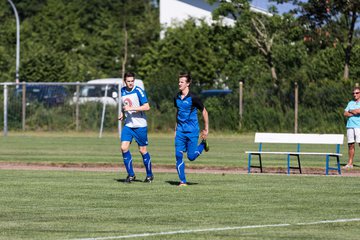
<point>103,112</point>
<point>240,103</point>
<point>77,111</point>
<point>296,108</point>
<point>119,109</point>
<point>5,110</point>
<point>23,104</point>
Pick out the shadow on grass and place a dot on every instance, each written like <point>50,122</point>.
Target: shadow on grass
<point>354,165</point>
<point>174,183</point>
<point>124,180</point>
<point>177,183</point>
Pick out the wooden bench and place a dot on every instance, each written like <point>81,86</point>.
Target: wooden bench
<point>298,139</point>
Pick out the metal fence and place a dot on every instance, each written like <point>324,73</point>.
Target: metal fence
<point>62,106</point>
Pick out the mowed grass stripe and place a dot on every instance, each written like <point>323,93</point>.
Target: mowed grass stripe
<point>222,229</point>
<point>226,151</point>
<point>69,205</point>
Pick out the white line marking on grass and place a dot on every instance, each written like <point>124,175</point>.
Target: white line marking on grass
<point>222,229</point>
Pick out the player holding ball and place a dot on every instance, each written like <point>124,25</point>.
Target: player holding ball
<point>135,103</point>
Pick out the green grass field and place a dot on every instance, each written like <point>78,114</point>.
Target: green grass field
<point>227,151</point>
<point>59,204</point>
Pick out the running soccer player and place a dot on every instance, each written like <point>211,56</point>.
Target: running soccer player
<point>135,103</point>
<point>187,126</point>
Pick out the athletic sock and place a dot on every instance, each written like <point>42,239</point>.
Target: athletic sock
<point>180,166</point>
<point>201,147</point>
<point>147,163</point>
<point>128,163</point>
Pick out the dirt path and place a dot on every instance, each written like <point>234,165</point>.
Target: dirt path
<point>159,168</point>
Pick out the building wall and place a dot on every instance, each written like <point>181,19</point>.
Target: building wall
<point>173,12</point>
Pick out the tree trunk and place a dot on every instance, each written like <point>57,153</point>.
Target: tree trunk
<point>349,45</point>
<point>346,71</point>
<point>273,73</point>
<point>123,67</point>
<point>272,68</point>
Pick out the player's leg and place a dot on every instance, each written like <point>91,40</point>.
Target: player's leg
<point>142,140</point>
<point>351,137</point>
<point>357,140</point>
<point>146,160</point>
<point>180,148</point>
<point>126,138</point>
<point>147,163</point>
<point>193,149</point>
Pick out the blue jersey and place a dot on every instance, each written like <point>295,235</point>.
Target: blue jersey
<point>134,98</point>
<point>353,121</point>
<point>187,120</point>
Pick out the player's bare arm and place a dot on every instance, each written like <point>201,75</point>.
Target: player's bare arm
<point>205,132</point>
<point>351,113</point>
<point>354,111</point>
<point>121,116</point>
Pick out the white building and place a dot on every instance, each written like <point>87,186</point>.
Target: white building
<point>173,12</point>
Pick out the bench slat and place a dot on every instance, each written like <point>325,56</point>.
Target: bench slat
<point>303,138</point>
<point>300,153</point>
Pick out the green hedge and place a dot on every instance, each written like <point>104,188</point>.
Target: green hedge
<point>321,106</point>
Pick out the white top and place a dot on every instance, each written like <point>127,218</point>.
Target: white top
<point>134,98</point>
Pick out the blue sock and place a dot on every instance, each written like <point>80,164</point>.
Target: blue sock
<point>147,163</point>
<point>128,163</point>
<point>201,147</point>
<point>180,166</point>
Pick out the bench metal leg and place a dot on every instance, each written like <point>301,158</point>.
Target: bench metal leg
<point>298,157</point>
<point>338,164</point>
<point>288,163</point>
<point>327,167</point>
<point>249,162</point>
<point>260,163</point>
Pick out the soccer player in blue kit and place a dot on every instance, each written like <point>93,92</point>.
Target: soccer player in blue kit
<point>187,126</point>
<point>135,103</point>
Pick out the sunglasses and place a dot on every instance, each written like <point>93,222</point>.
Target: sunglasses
<point>356,92</point>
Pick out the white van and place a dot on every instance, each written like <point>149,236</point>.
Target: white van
<point>96,92</point>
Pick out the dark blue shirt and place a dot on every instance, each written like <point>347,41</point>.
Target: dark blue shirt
<point>186,118</point>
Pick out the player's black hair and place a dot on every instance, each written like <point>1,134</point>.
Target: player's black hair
<point>186,75</point>
<point>129,74</point>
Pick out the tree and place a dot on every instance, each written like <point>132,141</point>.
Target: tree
<point>260,31</point>
<point>187,48</point>
<point>263,40</point>
<point>84,38</point>
<point>334,20</point>
<point>203,50</point>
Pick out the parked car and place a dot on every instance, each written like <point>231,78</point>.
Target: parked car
<point>96,92</point>
<point>50,95</point>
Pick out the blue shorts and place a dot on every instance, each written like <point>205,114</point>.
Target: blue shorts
<point>140,135</point>
<point>186,142</point>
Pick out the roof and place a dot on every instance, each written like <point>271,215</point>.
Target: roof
<point>138,82</point>
<point>215,92</point>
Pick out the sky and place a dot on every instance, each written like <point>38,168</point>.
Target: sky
<point>264,4</point>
